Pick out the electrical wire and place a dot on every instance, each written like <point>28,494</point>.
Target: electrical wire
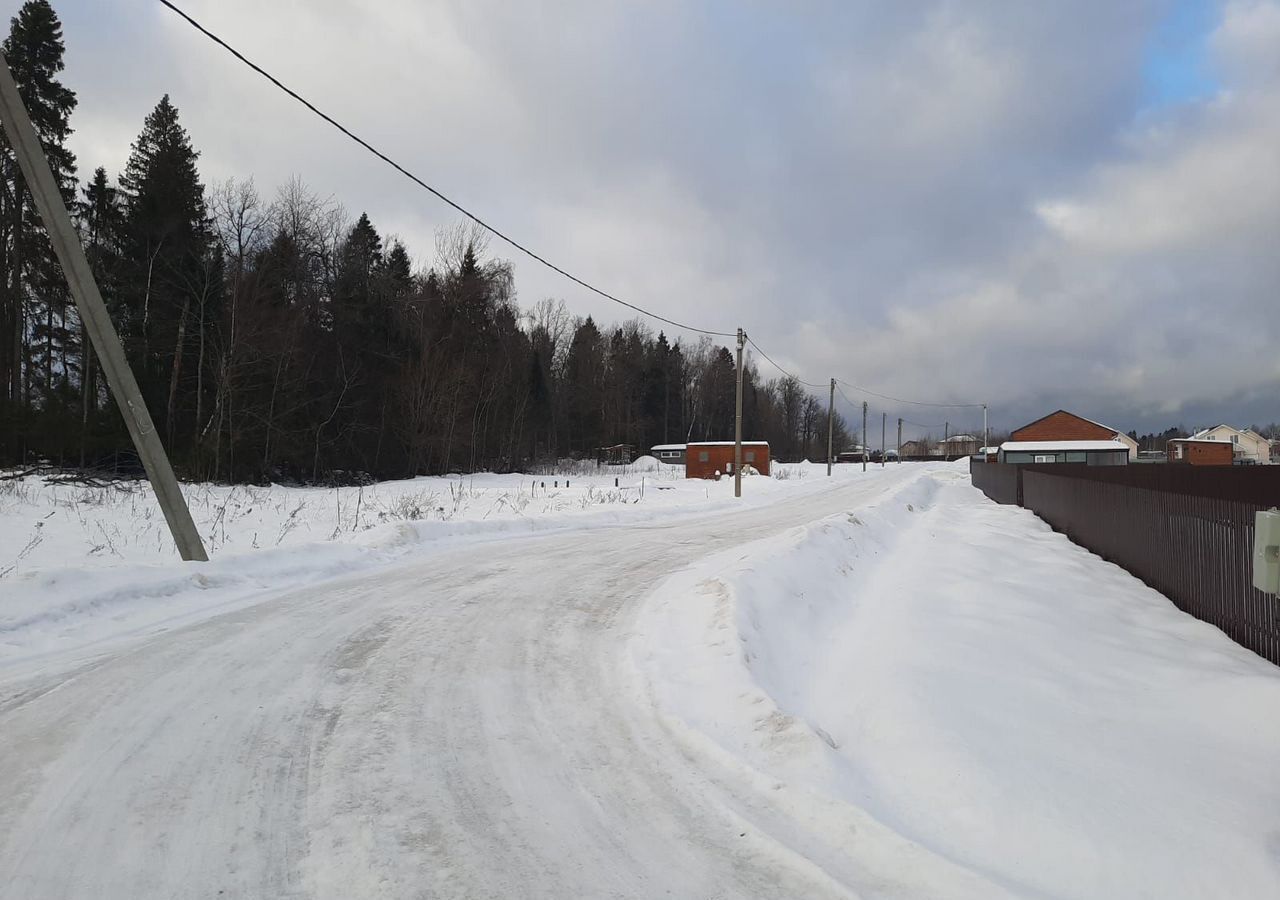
<point>439,195</point>
<point>782,370</point>
<point>871,393</point>
<point>844,395</point>
<point>512,241</point>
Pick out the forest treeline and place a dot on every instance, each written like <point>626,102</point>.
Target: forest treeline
<point>275,338</point>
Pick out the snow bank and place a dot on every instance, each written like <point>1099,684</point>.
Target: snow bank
<point>940,697</point>
<point>85,564</point>
<point>651,464</point>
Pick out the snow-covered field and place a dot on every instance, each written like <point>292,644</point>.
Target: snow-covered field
<point>876,685</point>
<point>81,564</point>
<point>936,683</point>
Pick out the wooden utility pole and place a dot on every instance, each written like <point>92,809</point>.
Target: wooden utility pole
<point>66,244</point>
<point>884,418</point>
<point>899,440</point>
<point>864,435</point>
<point>737,423</point>
<point>831,408</point>
<point>985,437</point>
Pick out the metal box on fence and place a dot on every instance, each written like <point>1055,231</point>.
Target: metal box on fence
<point>1266,550</point>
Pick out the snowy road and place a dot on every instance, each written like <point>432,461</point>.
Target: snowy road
<point>461,725</point>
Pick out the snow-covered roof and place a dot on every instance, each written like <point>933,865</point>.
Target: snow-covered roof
<point>1197,440</point>
<point>1026,446</point>
<point>959,438</point>
<point>725,444</point>
<point>667,447</point>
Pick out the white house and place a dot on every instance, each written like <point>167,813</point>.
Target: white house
<point>1247,446</point>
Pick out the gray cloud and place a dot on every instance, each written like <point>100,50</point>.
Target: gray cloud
<point>939,199</point>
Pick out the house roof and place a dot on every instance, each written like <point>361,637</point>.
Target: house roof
<point>1074,415</point>
<point>960,438</point>
<point>1204,431</point>
<point>667,447</point>
<point>1026,446</point>
<point>1229,428</point>
<point>1196,440</point>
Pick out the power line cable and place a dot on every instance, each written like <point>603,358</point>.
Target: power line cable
<point>780,369</point>
<point>871,393</point>
<point>844,395</point>
<point>506,238</point>
<point>414,178</point>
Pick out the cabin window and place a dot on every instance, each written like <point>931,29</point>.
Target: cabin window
<point>751,456</point>
<point>704,456</point>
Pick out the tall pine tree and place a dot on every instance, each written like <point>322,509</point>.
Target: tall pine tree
<point>167,266</point>
<point>33,293</point>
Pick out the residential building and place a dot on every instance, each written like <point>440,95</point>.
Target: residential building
<point>959,445</point>
<point>1248,448</point>
<point>1065,426</point>
<point>914,449</point>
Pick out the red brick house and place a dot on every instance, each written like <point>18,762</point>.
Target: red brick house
<point>704,460</point>
<point>1200,452</point>
<point>1065,426</point>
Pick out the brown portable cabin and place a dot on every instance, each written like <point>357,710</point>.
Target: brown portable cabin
<point>705,459</point>
<point>1199,452</point>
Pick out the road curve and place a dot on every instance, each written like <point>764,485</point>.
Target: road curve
<point>455,726</point>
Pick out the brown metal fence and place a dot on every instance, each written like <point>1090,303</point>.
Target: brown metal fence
<point>1185,531</point>
<point>999,482</point>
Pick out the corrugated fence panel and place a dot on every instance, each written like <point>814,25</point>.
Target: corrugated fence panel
<point>998,482</point>
<point>1185,531</point>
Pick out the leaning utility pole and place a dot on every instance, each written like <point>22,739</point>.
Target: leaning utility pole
<point>864,435</point>
<point>737,423</point>
<point>899,440</point>
<point>831,407</point>
<point>66,243</point>
<point>884,418</point>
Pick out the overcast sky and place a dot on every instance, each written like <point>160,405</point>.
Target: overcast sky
<point>1034,205</point>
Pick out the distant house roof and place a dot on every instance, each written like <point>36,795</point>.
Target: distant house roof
<point>1204,431</point>
<point>1229,428</point>
<point>667,447</point>
<point>1029,446</point>
<point>1076,415</point>
<point>1195,440</point>
<point>959,439</point>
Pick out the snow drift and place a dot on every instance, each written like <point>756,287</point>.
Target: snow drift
<point>938,696</point>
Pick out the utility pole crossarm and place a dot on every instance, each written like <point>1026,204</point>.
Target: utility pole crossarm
<point>66,244</point>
